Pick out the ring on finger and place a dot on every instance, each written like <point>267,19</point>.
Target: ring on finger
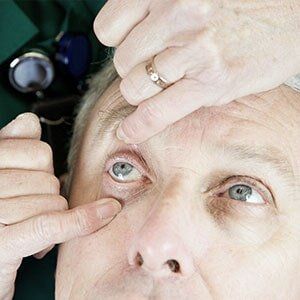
<point>155,76</point>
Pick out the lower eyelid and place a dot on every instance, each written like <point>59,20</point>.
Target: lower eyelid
<point>222,208</point>
<point>126,192</point>
<point>125,185</point>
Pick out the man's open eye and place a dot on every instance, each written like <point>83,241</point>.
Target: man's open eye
<point>245,189</point>
<point>124,172</point>
<point>242,192</point>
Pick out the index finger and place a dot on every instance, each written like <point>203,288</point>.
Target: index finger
<point>39,232</point>
<point>155,114</point>
<point>117,18</point>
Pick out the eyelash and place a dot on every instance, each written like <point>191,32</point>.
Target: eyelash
<point>220,189</point>
<point>128,159</point>
<point>256,184</point>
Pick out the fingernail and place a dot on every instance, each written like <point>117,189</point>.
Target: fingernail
<point>109,209</point>
<point>120,133</point>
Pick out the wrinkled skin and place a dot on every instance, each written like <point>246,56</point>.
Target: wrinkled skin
<point>178,206</point>
<point>218,50</point>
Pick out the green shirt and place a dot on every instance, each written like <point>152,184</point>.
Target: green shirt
<point>28,24</point>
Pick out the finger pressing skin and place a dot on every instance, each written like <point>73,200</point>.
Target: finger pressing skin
<point>25,126</point>
<point>25,154</point>
<point>171,65</point>
<point>27,183</point>
<point>17,209</point>
<point>155,114</point>
<point>40,232</point>
<point>117,18</point>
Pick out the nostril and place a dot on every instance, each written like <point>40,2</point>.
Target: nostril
<point>173,265</point>
<point>139,259</point>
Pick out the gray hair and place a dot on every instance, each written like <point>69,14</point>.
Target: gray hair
<point>97,86</point>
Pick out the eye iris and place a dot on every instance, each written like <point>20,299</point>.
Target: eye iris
<point>240,192</point>
<point>122,169</point>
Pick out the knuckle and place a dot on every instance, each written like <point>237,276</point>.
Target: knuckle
<point>183,4</point>
<point>101,31</point>
<point>84,221</point>
<point>216,74</point>
<point>46,227</point>
<point>61,203</point>
<point>119,62</point>
<point>206,39</point>
<point>207,43</point>
<point>194,7</point>
<point>32,122</point>
<point>44,154</point>
<point>129,91</point>
<point>53,184</point>
<point>167,69</point>
<point>150,113</point>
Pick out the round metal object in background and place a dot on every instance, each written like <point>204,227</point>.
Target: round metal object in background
<point>31,72</point>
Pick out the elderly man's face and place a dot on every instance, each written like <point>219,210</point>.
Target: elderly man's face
<point>211,206</point>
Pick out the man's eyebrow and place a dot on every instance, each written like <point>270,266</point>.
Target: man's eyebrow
<point>264,154</point>
<point>108,118</point>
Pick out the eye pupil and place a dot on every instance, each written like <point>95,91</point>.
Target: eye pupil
<point>121,169</point>
<point>240,192</point>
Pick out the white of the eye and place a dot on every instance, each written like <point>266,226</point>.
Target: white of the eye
<point>255,197</point>
<point>132,176</point>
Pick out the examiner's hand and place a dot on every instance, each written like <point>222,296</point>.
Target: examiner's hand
<point>33,216</point>
<point>211,51</point>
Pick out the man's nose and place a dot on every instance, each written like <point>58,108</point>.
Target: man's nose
<point>159,249</point>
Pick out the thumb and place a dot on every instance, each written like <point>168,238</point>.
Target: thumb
<point>25,126</point>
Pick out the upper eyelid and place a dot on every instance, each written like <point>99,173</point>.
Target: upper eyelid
<point>140,164</point>
<point>254,183</point>
<point>242,179</point>
<point>124,158</point>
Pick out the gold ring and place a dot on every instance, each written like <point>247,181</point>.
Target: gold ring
<point>155,77</point>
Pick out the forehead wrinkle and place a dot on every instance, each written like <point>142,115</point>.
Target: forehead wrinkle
<point>265,154</point>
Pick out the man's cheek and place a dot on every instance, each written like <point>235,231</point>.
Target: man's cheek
<point>247,225</point>
<point>99,250</point>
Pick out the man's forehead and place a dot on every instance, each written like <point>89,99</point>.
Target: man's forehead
<point>276,104</point>
<point>257,120</point>
<point>254,130</point>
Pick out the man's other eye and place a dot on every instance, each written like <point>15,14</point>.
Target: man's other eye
<point>245,189</point>
<point>124,172</point>
<point>242,192</point>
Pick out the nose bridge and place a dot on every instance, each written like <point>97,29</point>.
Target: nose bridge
<point>159,246</point>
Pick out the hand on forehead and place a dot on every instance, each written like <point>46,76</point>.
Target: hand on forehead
<point>275,111</point>
<point>251,131</point>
